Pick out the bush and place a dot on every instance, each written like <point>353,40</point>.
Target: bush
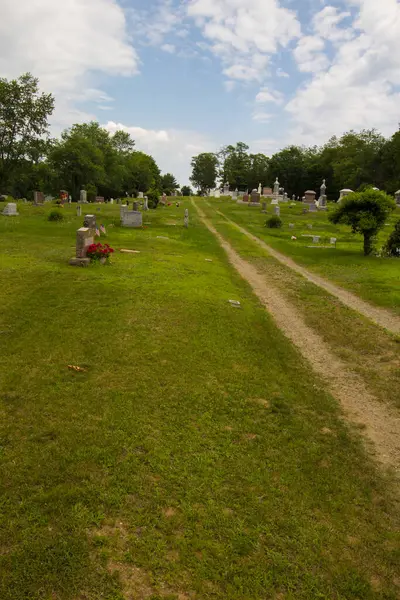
<point>153,197</point>
<point>274,222</point>
<point>55,215</point>
<point>392,246</point>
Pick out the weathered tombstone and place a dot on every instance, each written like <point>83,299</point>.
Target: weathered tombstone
<point>245,197</point>
<point>267,191</point>
<point>226,189</point>
<point>309,225</point>
<point>316,239</point>
<point>291,225</point>
<point>277,211</point>
<point>259,188</point>
<point>69,199</point>
<point>309,197</point>
<point>141,195</point>
<point>255,197</point>
<point>293,197</point>
<point>312,207</point>
<point>333,241</point>
<point>10,210</point>
<point>235,195</point>
<point>78,210</point>
<point>83,196</point>
<point>276,188</point>
<point>90,221</point>
<point>100,199</point>
<point>343,193</point>
<point>112,201</point>
<point>38,198</point>
<point>130,218</point>
<point>146,203</point>
<point>135,205</point>
<point>264,207</point>
<point>186,218</point>
<point>84,237</point>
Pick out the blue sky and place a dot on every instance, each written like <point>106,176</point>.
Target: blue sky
<point>187,76</point>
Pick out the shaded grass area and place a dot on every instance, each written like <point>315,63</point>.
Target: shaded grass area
<point>196,457</point>
<point>377,280</point>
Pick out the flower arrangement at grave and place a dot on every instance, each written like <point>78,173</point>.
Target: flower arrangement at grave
<point>100,252</point>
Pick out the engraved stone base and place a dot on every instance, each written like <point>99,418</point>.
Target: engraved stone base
<point>80,262</point>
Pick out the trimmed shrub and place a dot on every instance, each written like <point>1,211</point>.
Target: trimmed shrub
<point>392,246</point>
<point>274,222</point>
<point>55,215</point>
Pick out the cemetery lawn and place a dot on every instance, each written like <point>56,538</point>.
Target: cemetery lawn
<point>366,347</point>
<point>195,456</point>
<point>374,279</point>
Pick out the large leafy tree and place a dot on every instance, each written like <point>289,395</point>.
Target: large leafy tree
<point>236,165</point>
<point>204,171</point>
<point>186,190</point>
<point>141,174</point>
<point>366,213</point>
<point>24,114</point>
<point>258,171</point>
<point>168,184</point>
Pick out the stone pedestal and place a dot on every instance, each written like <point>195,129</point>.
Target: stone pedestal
<point>131,218</point>
<point>309,197</point>
<point>10,210</point>
<point>90,221</point>
<point>344,193</point>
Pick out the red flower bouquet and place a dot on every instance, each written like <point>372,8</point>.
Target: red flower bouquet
<point>99,252</point>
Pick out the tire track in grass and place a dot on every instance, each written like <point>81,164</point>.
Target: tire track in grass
<point>379,316</point>
<point>380,423</point>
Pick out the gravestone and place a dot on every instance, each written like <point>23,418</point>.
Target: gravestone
<point>267,191</point>
<point>316,239</point>
<point>83,196</point>
<point>131,218</point>
<point>84,237</point>
<point>90,221</point>
<point>146,203</point>
<point>186,219</point>
<point>245,197</point>
<point>259,188</point>
<point>294,198</point>
<point>217,194</point>
<point>333,241</point>
<point>10,210</point>
<point>78,210</point>
<point>312,208</point>
<point>235,195</point>
<point>276,188</point>
<point>344,193</point>
<point>274,201</point>
<point>135,206</point>
<point>255,197</point>
<point>100,199</point>
<point>309,197</point>
<point>38,198</point>
<point>309,225</point>
<point>264,207</point>
<point>141,195</point>
<point>277,211</point>
<point>112,201</point>
<point>226,189</point>
<point>291,225</point>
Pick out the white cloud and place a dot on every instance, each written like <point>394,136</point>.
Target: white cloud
<point>325,24</point>
<point>244,34</point>
<point>171,148</point>
<point>309,54</point>
<point>359,88</point>
<point>265,95</point>
<point>281,73</point>
<point>262,117</point>
<point>169,48</point>
<point>64,43</point>
<point>155,23</point>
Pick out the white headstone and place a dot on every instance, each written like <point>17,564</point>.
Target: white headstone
<point>259,188</point>
<point>140,195</point>
<point>217,194</point>
<point>131,218</point>
<point>277,211</point>
<point>333,241</point>
<point>316,239</point>
<point>276,187</point>
<point>291,225</point>
<point>10,210</point>
<point>186,219</point>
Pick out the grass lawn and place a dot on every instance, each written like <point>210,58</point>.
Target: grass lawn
<point>195,457</point>
<point>375,279</point>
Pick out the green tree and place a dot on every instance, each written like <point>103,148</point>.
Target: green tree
<point>366,213</point>
<point>258,171</point>
<point>392,246</point>
<point>290,166</point>
<point>24,116</point>
<point>186,191</point>
<point>141,174</point>
<point>168,184</point>
<point>236,166</point>
<point>204,171</point>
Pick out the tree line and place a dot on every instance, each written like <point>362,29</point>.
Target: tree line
<point>354,160</point>
<point>86,156</point>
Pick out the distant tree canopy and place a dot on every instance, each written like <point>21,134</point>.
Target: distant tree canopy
<point>204,171</point>
<point>355,161</point>
<point>86,156</point>
<point>186,191</point>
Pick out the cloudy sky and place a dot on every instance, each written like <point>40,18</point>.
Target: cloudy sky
<point>187,76</point>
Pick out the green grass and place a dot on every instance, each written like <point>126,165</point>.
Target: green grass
<point>196,457</point>
<point>370,351</point>
<point>374,279</point>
